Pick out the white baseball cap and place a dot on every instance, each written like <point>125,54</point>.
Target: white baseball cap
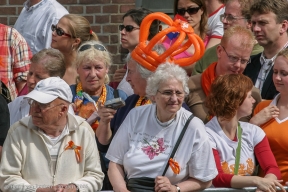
<point>47,90</point>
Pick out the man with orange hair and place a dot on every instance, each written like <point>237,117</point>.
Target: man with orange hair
<point>233,56</point>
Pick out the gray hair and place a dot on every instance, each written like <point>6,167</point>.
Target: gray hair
<point>145,73</point>
<point>163,73</point>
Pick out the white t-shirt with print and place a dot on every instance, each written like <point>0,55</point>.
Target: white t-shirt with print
<point>143,147</point>
<point>251,136</point>
<point>215,25</point>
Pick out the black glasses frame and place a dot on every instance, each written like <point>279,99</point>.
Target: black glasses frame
<point>59,31</point>
<point>128,28</point>
<point>190,10</point>
<point>235,59</point>
<point>89,46</point>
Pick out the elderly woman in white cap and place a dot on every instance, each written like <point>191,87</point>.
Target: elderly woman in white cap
<point>51,149</point>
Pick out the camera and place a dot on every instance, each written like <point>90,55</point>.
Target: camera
<point>115,103</point>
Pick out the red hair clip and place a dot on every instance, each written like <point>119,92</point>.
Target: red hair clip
<point>90,31</point>
<point>149,59</point>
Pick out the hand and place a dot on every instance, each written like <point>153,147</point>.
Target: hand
<point>265,115</point>
<point>268,185</point>
<point>163,184</point>
<point>119,75</point>
<point>105,114</point>
<point>70,188</point>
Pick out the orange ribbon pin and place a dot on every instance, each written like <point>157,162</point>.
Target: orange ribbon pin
<point>76,148</point>
<point>174,166</point>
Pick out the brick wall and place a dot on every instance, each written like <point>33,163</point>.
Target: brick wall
<point>104,16</point>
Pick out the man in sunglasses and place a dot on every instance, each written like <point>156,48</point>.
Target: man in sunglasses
<point>237,12</point>
<point>270,24</point>
<point>233,56</point>
<point>51,150</point>
<point>35,20</point>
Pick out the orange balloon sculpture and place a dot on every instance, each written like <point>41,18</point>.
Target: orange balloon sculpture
<point>149,59</point>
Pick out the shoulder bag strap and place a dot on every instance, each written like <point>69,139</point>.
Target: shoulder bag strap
<point>178,142</point>
<point>116,93</point>
<point>238,150</point>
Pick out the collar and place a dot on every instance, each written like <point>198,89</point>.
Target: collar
<point>265,61</point>
<point>28,8</point>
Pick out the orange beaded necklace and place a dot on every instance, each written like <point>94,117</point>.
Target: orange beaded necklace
<point>143,101</point>
<point>83,109</point>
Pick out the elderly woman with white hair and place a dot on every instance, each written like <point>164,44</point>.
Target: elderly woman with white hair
<point>92,62</point>
<point>143,145</point>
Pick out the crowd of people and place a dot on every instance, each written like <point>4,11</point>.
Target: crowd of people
<point>217,122</point>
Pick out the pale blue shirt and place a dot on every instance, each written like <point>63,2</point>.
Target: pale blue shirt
<point>34,23</point>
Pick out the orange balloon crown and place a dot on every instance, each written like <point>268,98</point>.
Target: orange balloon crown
<point>149,59</point>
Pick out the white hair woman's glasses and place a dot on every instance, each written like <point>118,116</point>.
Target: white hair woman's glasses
<point>169,93</point>
<point>89,46</point>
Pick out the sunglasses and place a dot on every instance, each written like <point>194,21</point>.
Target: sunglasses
<point>190,11</point>
<point>128,28</point>
<point>96,46</point>
<point>59,31</point>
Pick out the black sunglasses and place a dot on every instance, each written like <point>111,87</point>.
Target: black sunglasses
<point>59,31</point>
<point>190,10</point>
<point>96,46</point>
<point>128,28</point>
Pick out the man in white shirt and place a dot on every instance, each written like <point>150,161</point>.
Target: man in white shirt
<point>35,20</point>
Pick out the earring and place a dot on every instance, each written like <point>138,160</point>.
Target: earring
<point>72,48</point>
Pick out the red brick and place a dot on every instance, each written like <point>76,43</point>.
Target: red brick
<point>12,20</point>
<point>125,8</point>
<point>15,2</point>
<point>117,59</point>
<point>67,1</point>
<point>93,9</point>
<point>4,20</point>
<point>3,2</point>
<point>110,29</point>
<point>117,18</point>
<point>104,38</point>
<point>112,49</point>
<point>122,2</point>
<point>89,18</point>
<point>19,9</point>
<point>96,29</point>
<point>114,39</point>
<point>76,9</point>
<point>8,10</point>
<point>101,19</point>
<point>110,9</point>
<point>94,1</point>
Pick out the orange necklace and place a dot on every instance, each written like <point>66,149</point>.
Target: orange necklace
<point>102,99</point>
<point>143,101</point>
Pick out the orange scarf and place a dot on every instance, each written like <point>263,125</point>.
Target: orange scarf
<point>142,101</point>
<point>208,76</point>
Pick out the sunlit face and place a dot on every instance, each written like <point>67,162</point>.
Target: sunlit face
<point>193,19</point>
<point>247,106</point>
<point>62,43</point>
<point>134,78</point>
<point>233,9</point>
<point>266,29</point>
<point>36,73</point>
<point>169,103</point>
<point>44,117</point>
<point>92,75</point>
<point>129,40</point>
<point>280,74</point>
<point>233,49</point>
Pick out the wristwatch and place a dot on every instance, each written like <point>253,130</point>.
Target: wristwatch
<point>177,188</point>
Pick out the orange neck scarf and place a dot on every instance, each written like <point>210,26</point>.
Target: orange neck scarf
<point>208,76</point>
<point>142,101</point>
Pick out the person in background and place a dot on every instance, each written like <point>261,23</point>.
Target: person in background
<point>237,12</point>
<point>92,62</point>
<point>146,137</point>
<point>272,115</point>
<point>235,144</point>
<point>4,122</point>
<point>46,63</point>
<point>67,36</point>
<point>35,20</point>
<point>51,150</point>
<point>233,56</point>
<point>129,31</point>
<point>269,24</point>
<point>14,60</point>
